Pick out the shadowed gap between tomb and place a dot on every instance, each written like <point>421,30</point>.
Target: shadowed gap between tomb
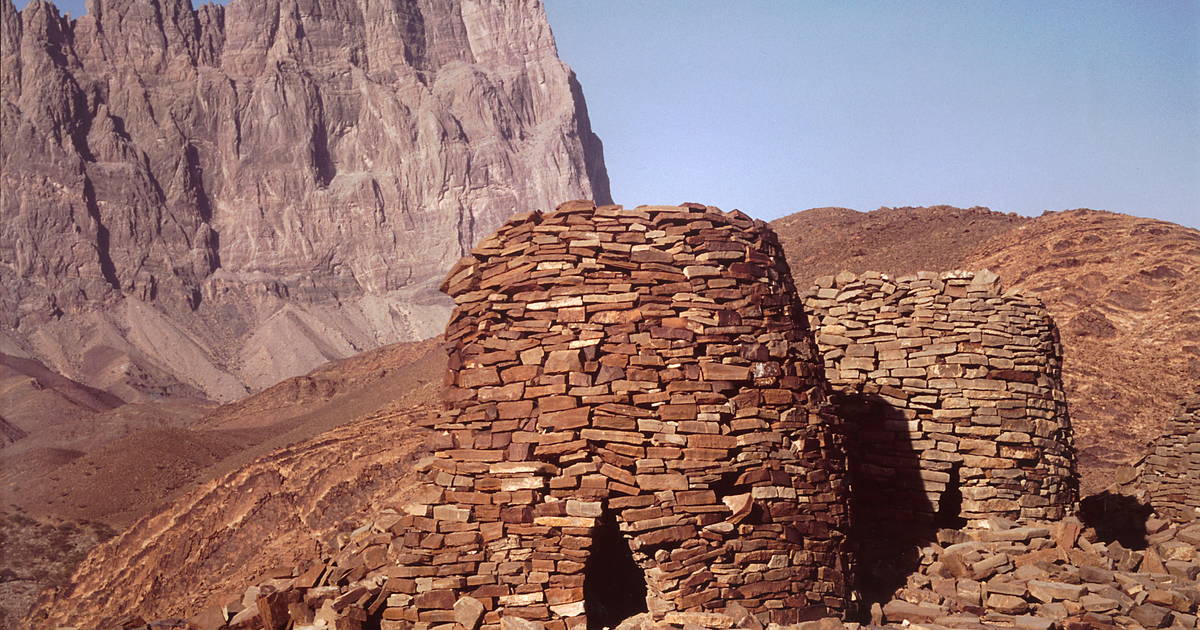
<point>892,516</point>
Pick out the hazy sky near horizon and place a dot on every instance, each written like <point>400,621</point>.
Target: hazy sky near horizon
<point>774,106</point>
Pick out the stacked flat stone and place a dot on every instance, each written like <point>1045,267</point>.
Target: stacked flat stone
<point>1170,474</point>
<point>962,389</point>
<point>650,365</point>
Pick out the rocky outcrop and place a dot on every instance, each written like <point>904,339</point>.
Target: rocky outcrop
<point>205,201</point>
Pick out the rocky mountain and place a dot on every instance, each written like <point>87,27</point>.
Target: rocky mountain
<point>201,202</point>
<point>1122,289</point>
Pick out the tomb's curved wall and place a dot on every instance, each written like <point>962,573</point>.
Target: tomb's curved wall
<point>649,368</point>
<point>952,395</point>
<point>1170,473</point>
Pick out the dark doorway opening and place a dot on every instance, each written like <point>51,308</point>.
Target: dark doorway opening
<point>614,587</point>
<point>949,514</point>
<point>892,515</point>
<point>1116,517</point>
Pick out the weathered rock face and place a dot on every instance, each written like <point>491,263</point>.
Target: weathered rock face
<point>204,201</point>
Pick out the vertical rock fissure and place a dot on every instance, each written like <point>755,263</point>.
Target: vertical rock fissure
<point>195,177</point>
<point>107,268</point>
<point>323,167</point>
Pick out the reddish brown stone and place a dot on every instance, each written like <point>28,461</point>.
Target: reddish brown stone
<point>478,377</point>
<point>678,412</point>
<point>558,361</point>
<point>568,419</point>
<point>723,372</point>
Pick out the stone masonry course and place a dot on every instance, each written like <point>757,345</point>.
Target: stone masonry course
<point>645,370</point>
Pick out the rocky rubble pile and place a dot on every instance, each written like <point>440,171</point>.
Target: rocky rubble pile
<point>1052,575</point>
<point>345,592</point>
<point>1028,576</point>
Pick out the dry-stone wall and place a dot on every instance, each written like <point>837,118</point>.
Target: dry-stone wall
<point>636,407</point>
<point>1170,473</point>
<point>952,396</point>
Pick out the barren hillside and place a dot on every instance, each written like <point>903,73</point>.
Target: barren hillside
<point>282,509</point>
<point>157,460</point>
<point>824,241</point>
<point>1125,292</point>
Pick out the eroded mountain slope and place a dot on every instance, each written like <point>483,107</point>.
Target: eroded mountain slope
<point>206,201</point>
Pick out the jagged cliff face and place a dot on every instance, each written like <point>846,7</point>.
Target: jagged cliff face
<point>207,201</point>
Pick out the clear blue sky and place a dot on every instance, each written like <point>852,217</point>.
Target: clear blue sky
<point>777,106</point>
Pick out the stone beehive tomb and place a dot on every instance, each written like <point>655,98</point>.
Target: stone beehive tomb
<point>952,395</point>
<point>635,422</point>
<point>1170,473</point>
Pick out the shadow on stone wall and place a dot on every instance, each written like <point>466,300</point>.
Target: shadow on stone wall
<point>892,514</point>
